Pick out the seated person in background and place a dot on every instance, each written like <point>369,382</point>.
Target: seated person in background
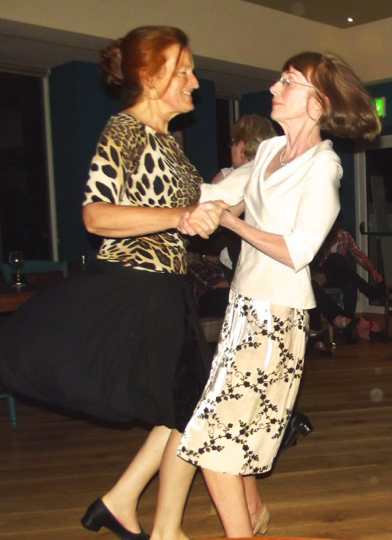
<point>352,329</point>
<point>246,135</point>
<point>209,275</point>
<point>209,278</point>
<point>331,268</point>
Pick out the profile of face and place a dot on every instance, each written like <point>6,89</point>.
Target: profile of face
<point>175,82</point>
<point>292,98</point>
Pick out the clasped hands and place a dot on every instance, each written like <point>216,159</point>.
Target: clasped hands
<point>202,219</point>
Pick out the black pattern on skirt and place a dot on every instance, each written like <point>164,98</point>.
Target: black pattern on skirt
<point>239,422</point>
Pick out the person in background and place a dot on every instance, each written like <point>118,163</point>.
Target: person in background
<point>331,268</point>
<point>351,329</point>
<point>209,275</point>
<point>290,194</point>
<point>122,339</point>
<point>246,135</point>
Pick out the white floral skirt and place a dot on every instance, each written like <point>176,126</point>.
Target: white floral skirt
<point>240,419</point>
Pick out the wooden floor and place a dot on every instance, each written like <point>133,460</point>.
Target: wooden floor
<point>336,483</point>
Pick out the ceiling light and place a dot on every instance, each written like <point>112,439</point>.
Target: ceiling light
<point>350,19</point>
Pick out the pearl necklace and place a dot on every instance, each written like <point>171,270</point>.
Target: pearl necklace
<point>281,154</point>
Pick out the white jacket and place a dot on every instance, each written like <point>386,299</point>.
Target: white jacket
<point>299,201</point>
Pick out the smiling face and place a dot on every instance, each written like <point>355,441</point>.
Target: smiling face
<point>175,82</point>
<point>292,96</point>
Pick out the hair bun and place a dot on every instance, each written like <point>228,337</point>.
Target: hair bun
<point>111,59</point>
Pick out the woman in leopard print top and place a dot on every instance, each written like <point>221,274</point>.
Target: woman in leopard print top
<point>136,166</point>
<point>126,342</point>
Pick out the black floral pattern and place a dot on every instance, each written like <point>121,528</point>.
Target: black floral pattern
<point>240,419</point>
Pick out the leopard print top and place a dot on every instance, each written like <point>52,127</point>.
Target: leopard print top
<point>135,165</point>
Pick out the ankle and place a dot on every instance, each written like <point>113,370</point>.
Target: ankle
<point>256,511</point>
<point>123,511</point>
<point>168,535</point>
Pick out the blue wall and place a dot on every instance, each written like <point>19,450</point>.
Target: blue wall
<point>79,111</point>
<point>200,138</point>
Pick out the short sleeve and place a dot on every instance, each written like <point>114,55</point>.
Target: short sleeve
<point>116,150</point>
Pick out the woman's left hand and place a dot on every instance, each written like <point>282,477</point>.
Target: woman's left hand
<point>226,218</point>
<point>202,220</point>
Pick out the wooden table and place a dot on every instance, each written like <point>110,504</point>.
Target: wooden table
<point>11,297</point>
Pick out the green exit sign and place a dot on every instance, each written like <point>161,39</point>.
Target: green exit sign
<point>380,106</point>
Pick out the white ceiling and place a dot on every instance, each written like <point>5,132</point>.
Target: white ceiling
<point>39,49</point>
<point>333,12</point>
<point>33,49</point>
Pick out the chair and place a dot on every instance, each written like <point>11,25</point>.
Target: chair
<point>38,271</point>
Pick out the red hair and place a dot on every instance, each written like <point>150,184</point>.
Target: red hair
<point>142,49</point>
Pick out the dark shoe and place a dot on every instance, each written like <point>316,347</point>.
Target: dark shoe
<point>299,424</point>
<point>322,349</point>
<point>97,516</point>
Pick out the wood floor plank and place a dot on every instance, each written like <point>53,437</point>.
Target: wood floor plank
<point>336,483</point>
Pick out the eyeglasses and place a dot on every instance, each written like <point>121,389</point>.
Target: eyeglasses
<point>284,81</point>
<point>232,143</point>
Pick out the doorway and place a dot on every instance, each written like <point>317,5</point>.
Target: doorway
<point>373,182</point>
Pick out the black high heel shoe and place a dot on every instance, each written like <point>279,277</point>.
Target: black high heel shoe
<point>97,516</point>
<point>299,424</point>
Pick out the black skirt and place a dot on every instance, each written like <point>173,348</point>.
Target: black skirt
<point>115,343</point>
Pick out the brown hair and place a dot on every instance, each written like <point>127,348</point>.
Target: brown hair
<point>141,49</point>
<point>348,109</point>
<point>252,129</point>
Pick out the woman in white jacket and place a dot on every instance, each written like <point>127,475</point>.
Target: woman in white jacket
<point>290,195</point>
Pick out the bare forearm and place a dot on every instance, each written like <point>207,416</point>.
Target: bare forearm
<point>367,264</point>
<point>119,221</point>
<point>271,244</point>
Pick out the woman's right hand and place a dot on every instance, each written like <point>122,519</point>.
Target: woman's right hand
<point>202,219</point>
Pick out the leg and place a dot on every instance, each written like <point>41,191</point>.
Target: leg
<point>339,273</point>
<point>258,512</point>
<point>326,306</point>
<point>123,498</point>
<point>350,297</point>
<point>252,495</point>
<point>175,478</point>
<point>315,319</point>
<point>228,493</point>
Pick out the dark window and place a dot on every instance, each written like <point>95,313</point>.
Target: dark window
<point>24,208</point>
